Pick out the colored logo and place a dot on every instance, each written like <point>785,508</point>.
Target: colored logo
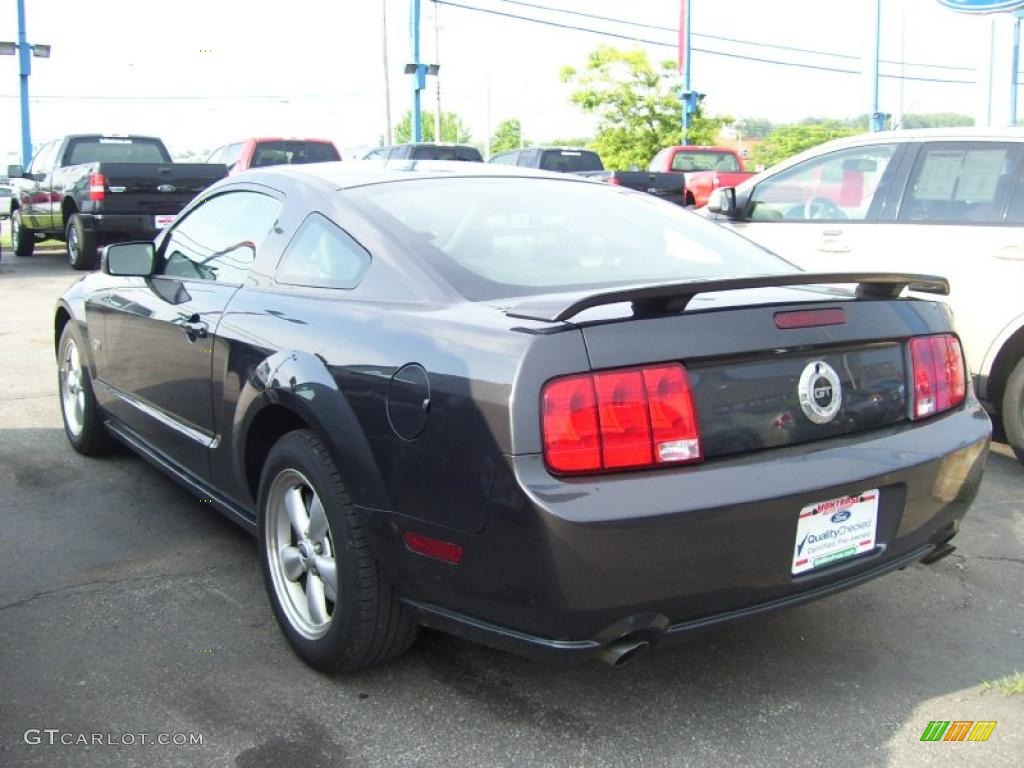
<point>841,516</point>
<point>983,6</point>
<point>958,730</point>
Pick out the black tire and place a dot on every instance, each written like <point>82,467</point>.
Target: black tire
<point>86,433</point>
<point>23,240</point>
<point>368,624</point>
<point>1012,410</point>
<point>81,244</point>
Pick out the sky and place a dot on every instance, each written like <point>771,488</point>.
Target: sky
<point>201,74</point>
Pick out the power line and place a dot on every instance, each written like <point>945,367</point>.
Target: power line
<point>722,38</point>
<point>761,60</point>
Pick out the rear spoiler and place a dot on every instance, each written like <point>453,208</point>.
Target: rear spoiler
<point>662,298</point>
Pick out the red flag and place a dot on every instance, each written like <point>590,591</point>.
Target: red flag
<point>682,35</point>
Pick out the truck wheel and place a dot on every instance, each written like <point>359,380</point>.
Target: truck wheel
<point>23,240</point>
<point>81,242</point>
<point>1013,410</point>
<point>337,609</point>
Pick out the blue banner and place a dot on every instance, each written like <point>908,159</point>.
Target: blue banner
<point>983,6</point>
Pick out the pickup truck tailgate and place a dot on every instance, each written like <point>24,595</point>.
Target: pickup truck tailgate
<point>155,188</point>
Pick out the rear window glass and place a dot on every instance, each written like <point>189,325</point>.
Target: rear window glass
<point>446,153</point>
<point>492,238</point>
<point>570,161</point>
<point>698,160</point>
<point>292,153</point>
<point>115,150</point>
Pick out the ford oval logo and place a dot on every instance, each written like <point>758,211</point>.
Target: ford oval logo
<point>841,516</point>
<point>167,188</point>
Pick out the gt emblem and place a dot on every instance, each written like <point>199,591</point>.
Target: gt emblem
<point>820,393</point>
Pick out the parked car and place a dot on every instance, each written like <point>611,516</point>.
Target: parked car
<point>546,414</point>
<point>6,197</point>
<point>261,152</point>
<point>706,169</point>
<point>558,159</point>
<point>426,150</point>
<point>585,162</point>
<point>88,189</point>
<point>943,201</point>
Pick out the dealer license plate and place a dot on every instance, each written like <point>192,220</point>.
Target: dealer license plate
<point>163,221</point>
<point>834,530</point>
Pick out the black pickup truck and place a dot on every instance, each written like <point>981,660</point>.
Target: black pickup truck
<point>584,162</point>
<point>89,190</point>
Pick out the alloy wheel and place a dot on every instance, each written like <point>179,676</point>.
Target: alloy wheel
<point>72,379</point>
<point>301,554</point>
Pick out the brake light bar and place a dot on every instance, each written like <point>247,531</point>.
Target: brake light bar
<point>940,381</point>
<point>621,419</point>
<point>809,318</point>
<point>97,187</point>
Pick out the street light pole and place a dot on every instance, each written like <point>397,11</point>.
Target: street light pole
<point>419,81</point>
<point>24,70</point>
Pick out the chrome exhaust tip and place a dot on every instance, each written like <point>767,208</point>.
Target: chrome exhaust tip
<point>622,651</point>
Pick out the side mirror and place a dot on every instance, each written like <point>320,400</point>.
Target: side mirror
<point>129,259</point>
<point>723,201</point>
<point>15,172</point>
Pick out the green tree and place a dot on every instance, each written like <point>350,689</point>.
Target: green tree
<point>508,136</point>
<point>453,128</point>
<point>754,127</point>
<point>788,140</point>
<point>936,120</point>
<point>637,104</point>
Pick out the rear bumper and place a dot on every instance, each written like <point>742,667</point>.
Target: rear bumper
<point>650,627</point>
<point>566,566</point>
<point>135,225</point>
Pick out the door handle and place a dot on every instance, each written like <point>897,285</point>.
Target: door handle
<point>195,328</point>
<point>1011,253</point>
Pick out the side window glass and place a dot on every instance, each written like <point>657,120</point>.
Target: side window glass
<point>217,156</point>
<point>659,161</point>
<point>322,255</point>
<point>218,240</point>
<point>231,154</point>
<point>43,161</point>
<point>839,186</point>
<point>960,183</point>
<point>1015,213</point>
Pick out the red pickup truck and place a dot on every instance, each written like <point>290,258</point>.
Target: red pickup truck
<point>706,169</point>
<point>261,152</point>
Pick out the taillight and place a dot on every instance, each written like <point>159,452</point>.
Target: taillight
<point>940,382</point>
<point>623,419</point>
<point>614,181</point>
<point>97,186</point>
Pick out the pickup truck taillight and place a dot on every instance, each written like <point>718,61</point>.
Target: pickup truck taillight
<point>97,187</point>
<point>621,419</point>
<point>939,379</point>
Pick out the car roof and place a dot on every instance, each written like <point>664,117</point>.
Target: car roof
<point>358,173</point>
<point>932,134</point>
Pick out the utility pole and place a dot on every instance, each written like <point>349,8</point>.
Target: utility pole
<point>419,79</point>
<point>437,79</point>
<point>24,70</point>
<point>1016,66</point>
<point>689,97</point>
<point>387,71</point>
<point>25,52</point>
<point>877,118</point>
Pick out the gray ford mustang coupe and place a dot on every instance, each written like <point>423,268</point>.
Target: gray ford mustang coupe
<point>550,415</point>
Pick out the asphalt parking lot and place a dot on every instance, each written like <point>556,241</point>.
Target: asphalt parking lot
<point>129,607</point>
